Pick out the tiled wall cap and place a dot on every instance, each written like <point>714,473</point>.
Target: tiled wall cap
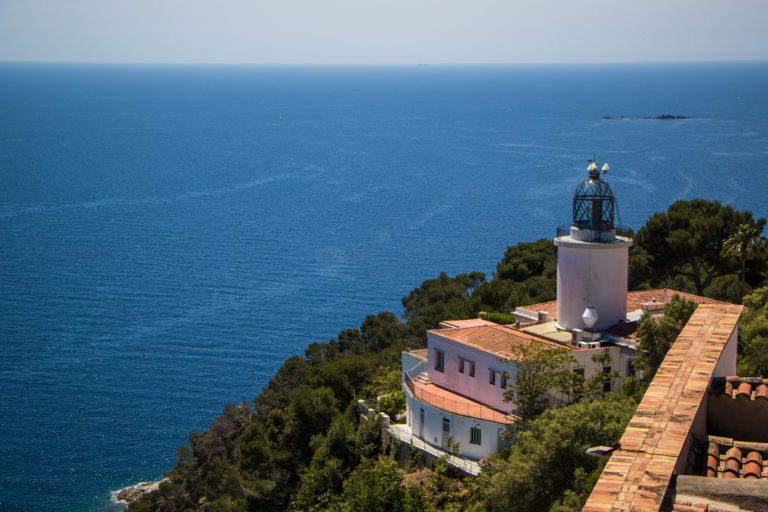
<point>755,456</point>
<point>744,390</point>
<point>753,467</point>
<point>712,462</point>
<point>733,454</point>
<point>732,468</point>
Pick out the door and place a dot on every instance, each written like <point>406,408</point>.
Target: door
<point>446,429</point>
<point>421,423</point>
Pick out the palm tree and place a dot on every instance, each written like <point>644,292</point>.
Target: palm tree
<point>745,244</point>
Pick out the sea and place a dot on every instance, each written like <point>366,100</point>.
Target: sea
<point>170,234</point>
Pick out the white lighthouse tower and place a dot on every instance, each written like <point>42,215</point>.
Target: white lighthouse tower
<point>592,261</point>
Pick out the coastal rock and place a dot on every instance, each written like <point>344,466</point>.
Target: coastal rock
<point>134,492</point>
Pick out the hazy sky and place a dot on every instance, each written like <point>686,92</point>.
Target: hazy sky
<point>379,31</point>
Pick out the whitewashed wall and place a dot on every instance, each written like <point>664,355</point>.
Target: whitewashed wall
<point>478,387</point>
<point>432,431</point>
<point>591,275</point>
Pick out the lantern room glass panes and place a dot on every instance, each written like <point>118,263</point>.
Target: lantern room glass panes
<point>594,205</point>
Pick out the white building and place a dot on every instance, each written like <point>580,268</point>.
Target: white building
<point>455,389</point>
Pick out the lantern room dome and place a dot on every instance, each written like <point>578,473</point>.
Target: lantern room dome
<point>594,203</point>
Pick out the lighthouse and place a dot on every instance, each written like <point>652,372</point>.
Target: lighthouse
<point>592,261</point>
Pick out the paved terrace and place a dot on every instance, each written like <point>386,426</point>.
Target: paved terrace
<point>638,474</point>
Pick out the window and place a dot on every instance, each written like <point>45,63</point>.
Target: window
<point>607,379</point>
<point>471,369</point>
<point>439,360</point>
<point>461,365</point>
<point>475,435</point>
<point>503,384</point>
<point>492,377</point>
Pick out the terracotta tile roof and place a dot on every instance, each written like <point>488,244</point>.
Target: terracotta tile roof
<point>472,322</point>
<point>441,398</point>
<point>548,307</point>
<point>745,388</point>
<point>727,458</point>
<point>638,474</point>
<point>494,339</point>
<point>634,300</point>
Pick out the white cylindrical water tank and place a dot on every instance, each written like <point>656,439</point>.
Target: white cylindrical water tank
<point>591,274</point>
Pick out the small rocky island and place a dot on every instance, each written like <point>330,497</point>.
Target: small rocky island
<point>662,117</point>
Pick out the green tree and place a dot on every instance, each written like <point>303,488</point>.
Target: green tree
<point>548,466</point>
<point>345,376</point>
<point>681,248</point>
<point>745,244</point>
<point>605,376</point>
<point>387,386</point>
<point>440,299</point>
<point>528,259</point>
<point>540,368</point>
<point>374,487</point>
<point>753,335</point>
<point>382,330</point>
<point>525,275</point>
<point>657,336</point>
<point>293,373</point>
<point>311,412</point>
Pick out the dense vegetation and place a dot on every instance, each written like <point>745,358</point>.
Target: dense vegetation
<point>683,249</point>
<point>301,444</point>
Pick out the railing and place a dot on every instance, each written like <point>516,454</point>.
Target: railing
<point>414,371</point>
<point>563,230</point>
<point>367,408</point>
<point>625,231</point>
<point>406,435</point>
<point>621,230</point>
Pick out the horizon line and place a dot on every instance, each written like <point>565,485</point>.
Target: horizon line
<point>381,64</point>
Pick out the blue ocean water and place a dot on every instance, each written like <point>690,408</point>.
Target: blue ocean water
<point>170,234</point>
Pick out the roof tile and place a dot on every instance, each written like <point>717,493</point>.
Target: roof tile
<point>495,339</point>
<point>635,300</point>
<point>449,401</point>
